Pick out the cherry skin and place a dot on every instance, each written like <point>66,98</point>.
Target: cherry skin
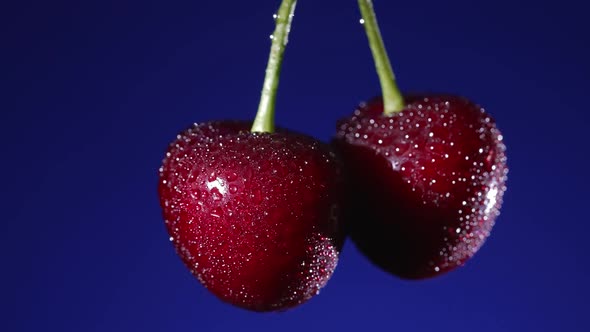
<point>426,184</point>
<point>253,216</point>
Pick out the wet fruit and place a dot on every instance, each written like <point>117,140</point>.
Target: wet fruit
<point>253,213</point>
<point>426,182</point>
<point>426,174</point>
<point>254,216</point>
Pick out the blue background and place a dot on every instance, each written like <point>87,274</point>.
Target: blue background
<point>93,91</point>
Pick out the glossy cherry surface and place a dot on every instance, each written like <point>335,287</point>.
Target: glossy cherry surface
<point>426,184</point>
<point>253,216</point>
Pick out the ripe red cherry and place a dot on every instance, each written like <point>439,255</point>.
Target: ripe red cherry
<point>254,216</point>
<point>426,174</point>
<point>253,213</point>
<point>426,183</point>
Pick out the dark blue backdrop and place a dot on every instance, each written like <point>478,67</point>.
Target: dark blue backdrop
<point>92,92</point>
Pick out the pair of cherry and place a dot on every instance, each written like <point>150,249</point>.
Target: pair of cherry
<point>259,215</point>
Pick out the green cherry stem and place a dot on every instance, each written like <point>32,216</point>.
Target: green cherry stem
<point>265,117</point>
<point>393,100</point>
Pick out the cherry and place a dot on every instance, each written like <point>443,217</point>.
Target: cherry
<point>254,213</point>
<point>427,182</point>
<point>426,175</point>
<point>253,216</point>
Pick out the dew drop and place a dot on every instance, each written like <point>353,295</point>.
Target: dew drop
<point>232,176</point>
<point>257,196</point>
<point>216,212</point>
<point>216,195</point>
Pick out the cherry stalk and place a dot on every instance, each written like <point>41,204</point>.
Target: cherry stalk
<point>264,121</point>
<point>393,100</point>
